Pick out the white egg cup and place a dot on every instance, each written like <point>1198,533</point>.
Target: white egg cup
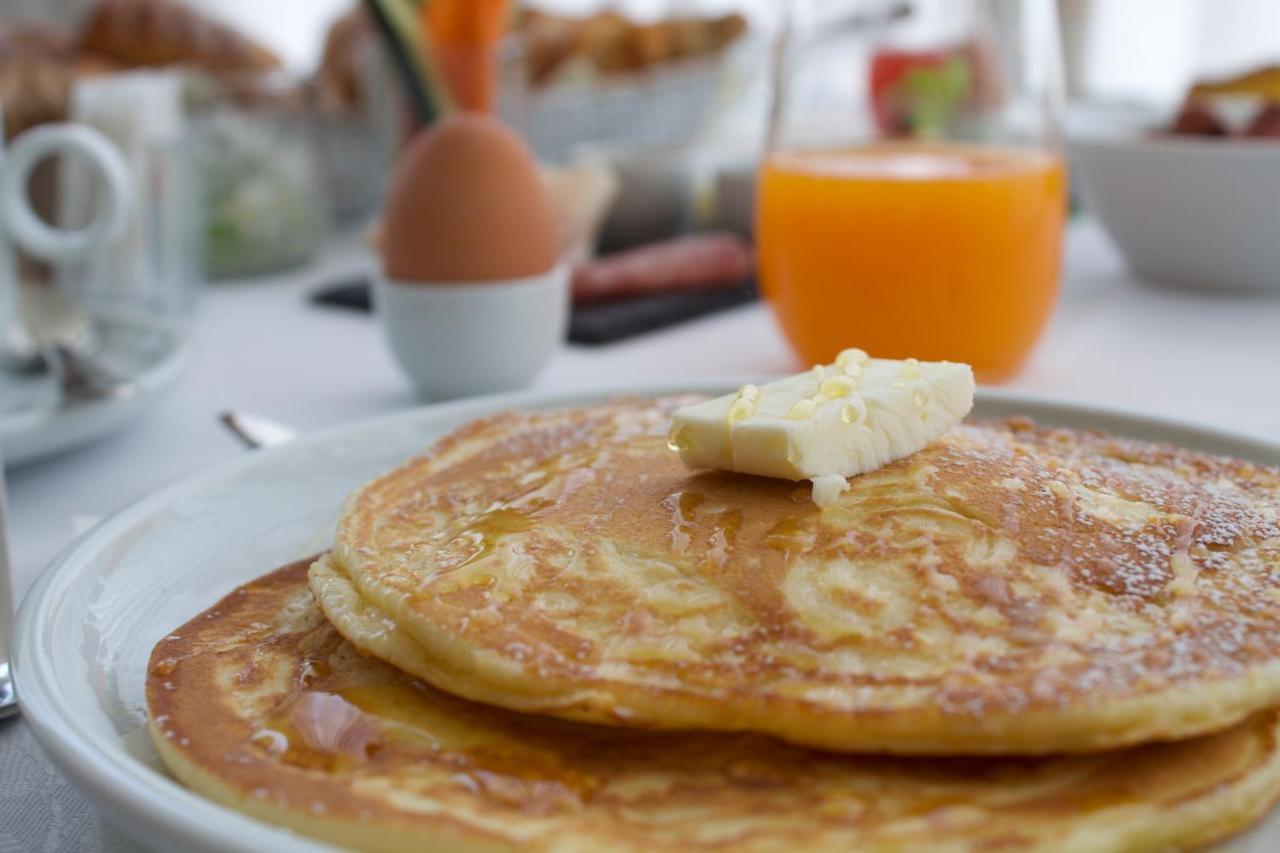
<point>460,339</point>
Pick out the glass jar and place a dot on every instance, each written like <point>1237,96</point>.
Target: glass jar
<point>262,194</point>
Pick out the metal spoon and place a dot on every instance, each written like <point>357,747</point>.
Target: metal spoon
<point>81,379</point>
<point>55,335</point>
<point>256,431</point>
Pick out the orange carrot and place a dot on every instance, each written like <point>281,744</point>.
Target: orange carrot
<point>465,36</point>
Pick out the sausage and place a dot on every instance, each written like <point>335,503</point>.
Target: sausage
<point>710,261</point>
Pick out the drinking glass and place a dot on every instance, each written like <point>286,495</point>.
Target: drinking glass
<point>912,193</point>
<point>139,294</point>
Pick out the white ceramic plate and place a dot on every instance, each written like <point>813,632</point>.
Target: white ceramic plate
<point>88,625</point>
<point>34,423</point>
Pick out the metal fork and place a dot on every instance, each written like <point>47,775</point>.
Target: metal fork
<point>8,698</point>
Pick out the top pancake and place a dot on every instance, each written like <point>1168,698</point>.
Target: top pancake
<point>1009,589</point>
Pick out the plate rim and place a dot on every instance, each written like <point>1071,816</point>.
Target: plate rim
<point>157,806</point>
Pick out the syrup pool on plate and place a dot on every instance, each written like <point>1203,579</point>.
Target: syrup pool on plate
<point>943,251</point>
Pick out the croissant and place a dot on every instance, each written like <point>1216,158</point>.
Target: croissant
<point>161,32</point>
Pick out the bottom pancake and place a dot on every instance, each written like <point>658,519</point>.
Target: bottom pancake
<point>259,703</point>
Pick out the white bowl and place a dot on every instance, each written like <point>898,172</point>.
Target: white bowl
<point>464,339</point>
<point>1198,213</point>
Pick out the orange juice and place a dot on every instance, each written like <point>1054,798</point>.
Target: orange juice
<point>932,251</point>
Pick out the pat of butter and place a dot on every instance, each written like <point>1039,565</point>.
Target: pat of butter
<point>832,421</point>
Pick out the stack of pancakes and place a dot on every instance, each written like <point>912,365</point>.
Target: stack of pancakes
<point>547,632</point>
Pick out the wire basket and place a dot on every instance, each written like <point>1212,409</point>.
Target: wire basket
<point>667,105</point>
<point>353,164</point>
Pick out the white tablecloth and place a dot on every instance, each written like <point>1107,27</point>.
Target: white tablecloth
<point>261,347</point>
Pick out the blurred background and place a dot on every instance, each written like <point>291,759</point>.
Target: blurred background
<point>203,202</point>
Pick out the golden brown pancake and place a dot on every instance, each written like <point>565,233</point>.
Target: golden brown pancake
<point>261,705</point>
<point>1009,589</point>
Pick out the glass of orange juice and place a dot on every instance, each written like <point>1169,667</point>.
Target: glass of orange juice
<point>912,197</point>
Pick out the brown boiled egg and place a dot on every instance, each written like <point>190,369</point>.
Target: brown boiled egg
<point>467,204</point>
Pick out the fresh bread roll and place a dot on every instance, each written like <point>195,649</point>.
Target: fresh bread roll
<point>339,75</point>
<point>162,32</point>
<point>37,68</point>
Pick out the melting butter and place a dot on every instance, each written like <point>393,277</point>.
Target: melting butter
<point>827,489</point>
<point>828,423</point>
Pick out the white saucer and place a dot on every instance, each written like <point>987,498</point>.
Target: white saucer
<point>34,423</point>
<point>87,627</point>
